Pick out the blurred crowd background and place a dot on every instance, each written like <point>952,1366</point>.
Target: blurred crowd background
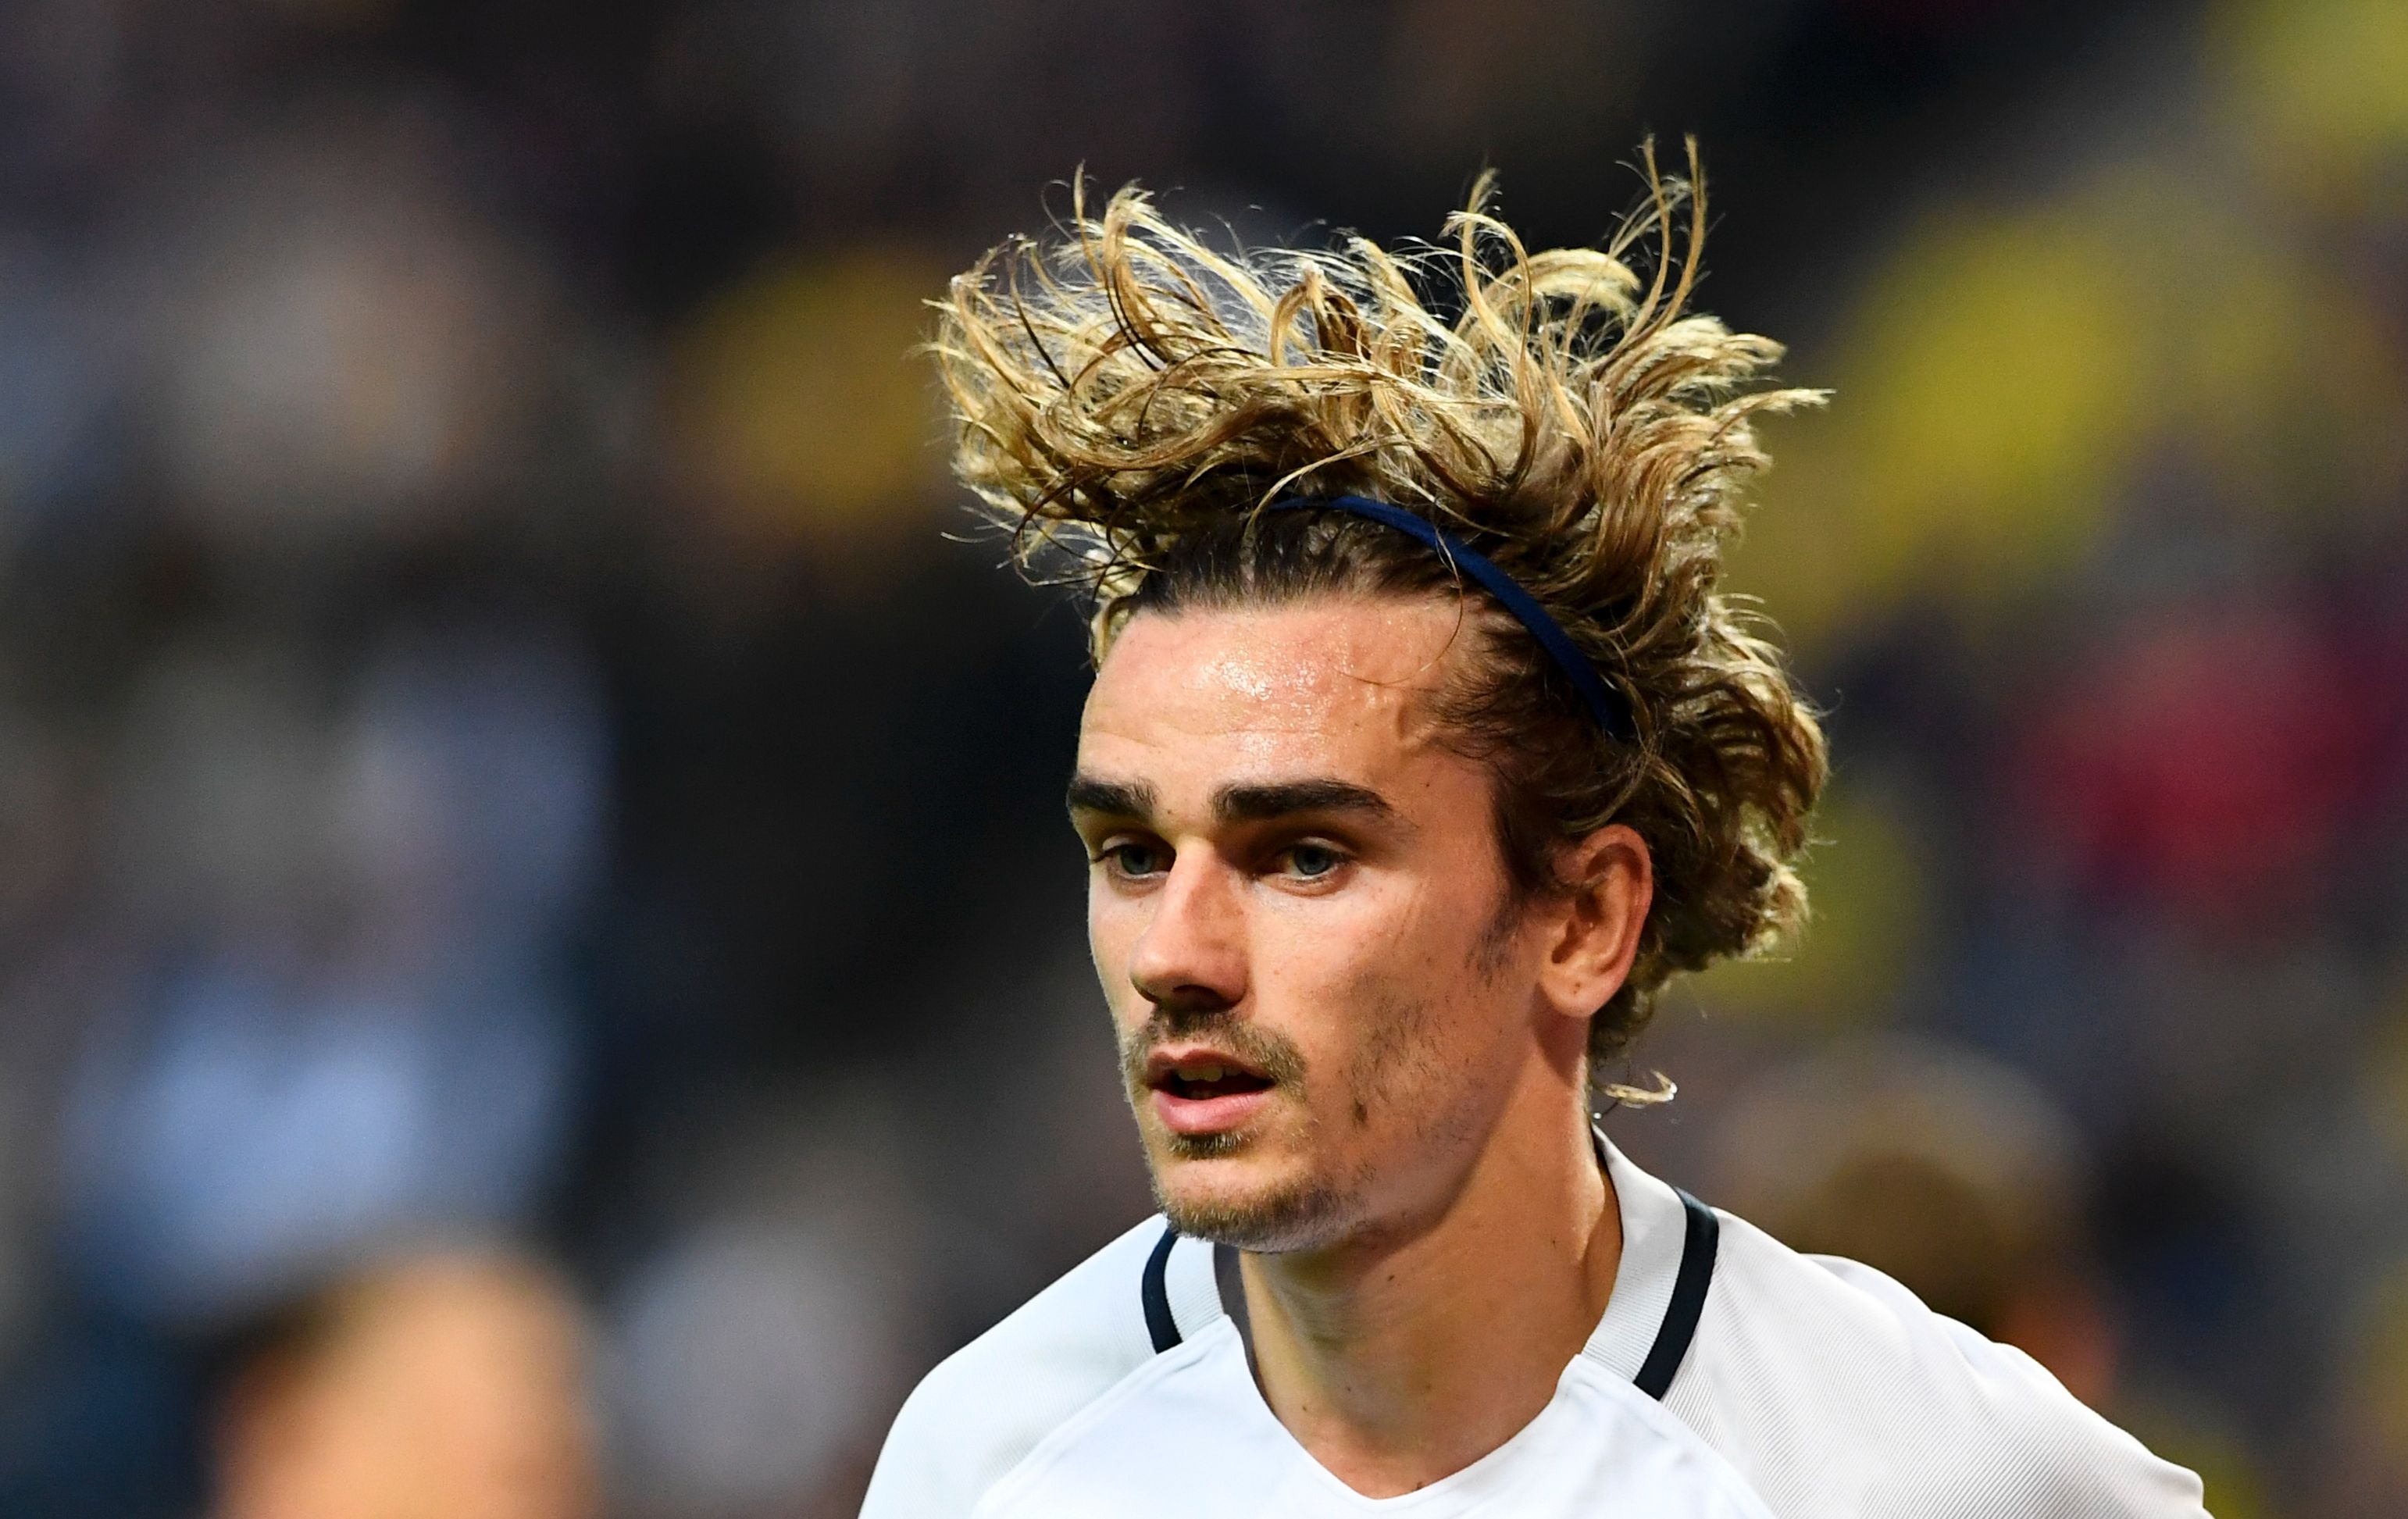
<point>540,970</point>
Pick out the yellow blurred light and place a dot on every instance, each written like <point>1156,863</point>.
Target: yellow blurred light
<point>1866,887</point>
<point>2279,374</point>
<point>798,406</point>
<point>1992,384</point>
<point>2320,88</point>
<point>2006,376</point>
<point>2192,1434</point>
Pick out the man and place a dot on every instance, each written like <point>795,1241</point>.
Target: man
<point>1421,752</point>
<point>444,1384</point>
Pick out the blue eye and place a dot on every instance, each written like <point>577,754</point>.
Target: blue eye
<point>1312,860</point>
<point>1132,859</point>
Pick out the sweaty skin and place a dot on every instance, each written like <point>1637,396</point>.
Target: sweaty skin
<point>1292,871</point>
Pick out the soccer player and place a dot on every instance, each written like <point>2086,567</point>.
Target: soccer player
<point>1423,751</point>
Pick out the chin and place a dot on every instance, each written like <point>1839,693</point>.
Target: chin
<point>1209,1191</point>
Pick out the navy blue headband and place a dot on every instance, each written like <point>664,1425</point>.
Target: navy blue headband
<point>1604,703</point>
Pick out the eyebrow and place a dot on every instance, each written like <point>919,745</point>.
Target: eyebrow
<point>1235,804</point>
<point>1117,798</point>
<point>1285,798</point>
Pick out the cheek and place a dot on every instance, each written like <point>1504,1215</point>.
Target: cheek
<point>1411,1007</point>
<point>1113,925</point>
<point>1339,981</point>
<point>1404,937</point>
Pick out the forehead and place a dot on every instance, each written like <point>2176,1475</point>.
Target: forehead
<point>1339,686</point>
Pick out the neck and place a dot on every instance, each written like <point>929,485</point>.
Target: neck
<point>1406,1352</point>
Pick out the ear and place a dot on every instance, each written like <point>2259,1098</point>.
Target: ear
<point>1612,881</point>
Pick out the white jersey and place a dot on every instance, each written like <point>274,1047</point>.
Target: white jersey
<point>1729,1377</point>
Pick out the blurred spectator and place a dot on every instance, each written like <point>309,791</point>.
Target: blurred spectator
<point>345,344</point>
<point>748,1351</point>
<point>352,1024</point>
<point>442,1386</point>
<point>2204,767</point>
<point>1946,1171</point>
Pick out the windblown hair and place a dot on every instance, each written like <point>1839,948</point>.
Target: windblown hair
<point>1129,399</point>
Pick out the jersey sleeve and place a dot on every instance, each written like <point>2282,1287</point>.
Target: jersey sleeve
<point>1840,1396</point>
<point>921,1473</point>
<point>2061,1456</point>
<point>985,1407</point>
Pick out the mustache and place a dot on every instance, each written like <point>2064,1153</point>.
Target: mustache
<point>1272,1053</point>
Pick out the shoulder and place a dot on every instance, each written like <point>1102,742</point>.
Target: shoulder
<point>1837,1392</point>
<point>986,1406</point>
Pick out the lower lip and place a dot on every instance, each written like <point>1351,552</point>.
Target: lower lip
<point>1207,1115</point>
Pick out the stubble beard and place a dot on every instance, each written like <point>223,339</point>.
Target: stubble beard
<point>1256,1221</point>
<point>1316,1208</point>
<point>1298,1216</point>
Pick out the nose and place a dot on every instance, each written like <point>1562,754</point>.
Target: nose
<point>1192,955</point>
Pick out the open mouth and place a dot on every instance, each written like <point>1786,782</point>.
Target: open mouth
<point>1199,1091</point>
<point>1197,1081</point>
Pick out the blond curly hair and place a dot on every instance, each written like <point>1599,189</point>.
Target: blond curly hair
<point>1130,400</point>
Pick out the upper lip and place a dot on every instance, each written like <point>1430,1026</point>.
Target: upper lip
<point>1171,1058</point>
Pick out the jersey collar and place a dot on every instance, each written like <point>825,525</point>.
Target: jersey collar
<point>1667,1254</point>
<point>1655,1235</point>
